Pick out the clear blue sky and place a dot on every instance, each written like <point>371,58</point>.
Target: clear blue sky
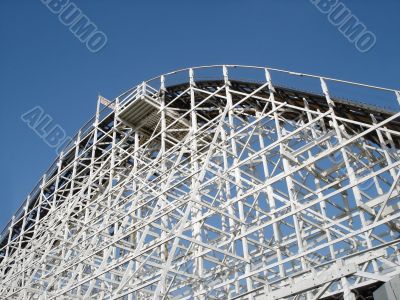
<point>42,63</point>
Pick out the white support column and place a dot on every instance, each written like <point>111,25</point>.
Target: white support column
<point>349,168</point>
<point>113,172</point>
<point>286,168</point>
<point>317,182</point>
<point>196,214</point>
<point>272,204</point>
<point>137,215</point>
<point>230,209</point>
<point>238,177</point>
<point>163,149</point>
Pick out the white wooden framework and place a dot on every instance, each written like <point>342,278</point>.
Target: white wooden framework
<point>199,184</point>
